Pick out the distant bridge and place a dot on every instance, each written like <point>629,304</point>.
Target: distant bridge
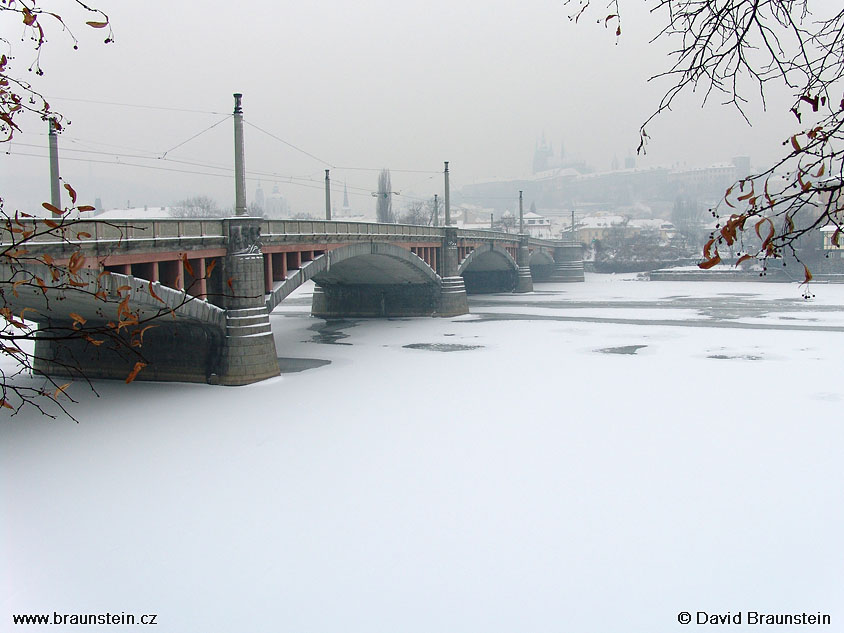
<point>222,333</point>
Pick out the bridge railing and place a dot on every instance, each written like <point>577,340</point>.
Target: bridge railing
<point>119,230</point>
<point>536,241</point>
<point>486,234</point>
<point>180,229</point>
<point>337,227</point>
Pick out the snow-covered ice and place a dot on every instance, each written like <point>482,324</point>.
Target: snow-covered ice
<point>535,483</point>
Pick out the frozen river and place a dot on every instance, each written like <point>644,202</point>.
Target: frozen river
<point>588,458</point>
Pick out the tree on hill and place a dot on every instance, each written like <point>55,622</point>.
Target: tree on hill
<point>418,212</point>
<point>384,198</point>
<point>735,50</point>
<point>199,207</point>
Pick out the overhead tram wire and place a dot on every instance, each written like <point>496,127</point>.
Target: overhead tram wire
<point>75,140</point>
<point>155,155</point>
<point>291,145</point>
<point>253,174</point>
<point>124,164</point>
<point>135,105</point>
<point>249,123</point>
<point>270,175</point>
<point>225,118</point>
<point>119,156</point>
<point>331,165</point>
<point>398,171</point>
<point>309,184</point>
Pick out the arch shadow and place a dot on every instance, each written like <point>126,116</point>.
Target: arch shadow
<point>488,268</point>
<point>541,265</point>
<point>367,279</point>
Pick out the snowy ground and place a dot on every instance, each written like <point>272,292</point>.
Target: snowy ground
<point>608,455</point>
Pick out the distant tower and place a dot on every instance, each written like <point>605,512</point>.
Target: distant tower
<point>276,204</point>
<point>346,210</point>
<point>259,197</point>
<point>542,156</point>
<point>742,165</point>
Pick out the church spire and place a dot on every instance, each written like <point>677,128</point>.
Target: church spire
<point>346,210</point>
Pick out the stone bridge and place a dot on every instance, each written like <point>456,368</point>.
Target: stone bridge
<point>218,280</point>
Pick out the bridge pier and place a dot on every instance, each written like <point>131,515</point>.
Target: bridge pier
<point>541,272</point>
<point>524,281</point>
<point>568,263</point>
<point>248,353</point>
<point>453,300</point>
<point>180,353</point>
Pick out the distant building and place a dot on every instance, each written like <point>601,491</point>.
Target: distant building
<point>742,165</point>
<point>276,205</point>
<point>703,182</point>
<point>543,157</point>
<point>260,202</point>
<point>591,228</point>
<point>537,226</point>
<point>557,182</point>
<point>667,231</point>
<point>346,211</point>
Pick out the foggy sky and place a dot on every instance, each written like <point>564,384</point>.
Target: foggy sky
<point>383,84</point>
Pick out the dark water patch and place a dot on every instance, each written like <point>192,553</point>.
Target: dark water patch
<point>738,357</point>
<point>295,365</point>
<point>442,347</point>
<point>624,349</point>
<point>331,332</point>
<point>734,312</point>
<point>487,317</point>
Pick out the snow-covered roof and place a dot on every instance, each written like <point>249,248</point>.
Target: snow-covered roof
<point>533,216</point>
<point>601,221</point>
<point>687,170</point>
<point>557,172</point>
<point>652,223</point>
<point>629,170</point>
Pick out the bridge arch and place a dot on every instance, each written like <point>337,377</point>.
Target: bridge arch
<point>183,341</point>
<point>541,265</point>
<point>488,268</point>
<point>376,276</point>
<point>146,299</point>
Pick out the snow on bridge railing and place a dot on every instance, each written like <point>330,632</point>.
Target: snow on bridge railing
<point>486,234</point>
<point>94,230</point>
<point>339,227</point>
<point>539,241</point>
